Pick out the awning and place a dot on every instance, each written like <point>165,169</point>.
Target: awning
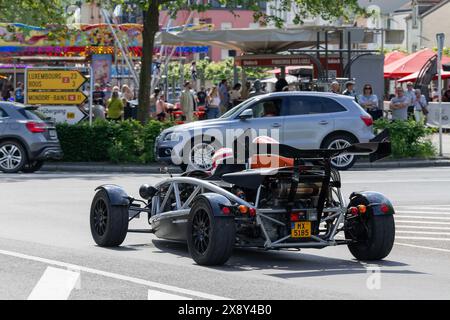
<point>393,56</point>
<point>289,68</point>
<point>245,40</point>
<point>412,77</point>
<point>410,64</point>
<point>290,79</point>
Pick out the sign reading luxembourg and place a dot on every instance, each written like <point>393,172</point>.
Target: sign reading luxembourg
<point>54,79</point>
<point>56,97</point>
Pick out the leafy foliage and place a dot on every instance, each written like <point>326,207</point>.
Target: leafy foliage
<point>409,138</point>
<point>118,142</point>
<point>33,12</point>
<point>214,71</point>
<point>328,10</point>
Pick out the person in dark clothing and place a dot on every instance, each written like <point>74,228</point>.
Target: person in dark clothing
<point>98,96</point>
<point>201,97</point>
<point>281,83</point>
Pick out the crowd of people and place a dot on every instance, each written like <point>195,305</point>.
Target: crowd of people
<point>116,103</point>
<point>404,105</point>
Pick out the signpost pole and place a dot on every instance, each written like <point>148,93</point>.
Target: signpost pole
<point>440,42</point>
<point>91,93</point>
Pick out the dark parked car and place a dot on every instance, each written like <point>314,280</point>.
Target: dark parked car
<point>26,139</point>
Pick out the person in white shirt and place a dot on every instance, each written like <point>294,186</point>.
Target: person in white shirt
<point>410,94</point>
<point>420,106</point>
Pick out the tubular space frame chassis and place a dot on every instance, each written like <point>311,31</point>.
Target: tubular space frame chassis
<point>336,214</point>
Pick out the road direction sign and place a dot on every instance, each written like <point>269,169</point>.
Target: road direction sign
<point>56,98</point>
<point>64,114</point>
<point>42,79</point>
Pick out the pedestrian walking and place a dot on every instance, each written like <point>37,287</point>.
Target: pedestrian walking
<point>350,89</point>
<point>161,108</point>
<point>114,107</point>
<point>411,94</point>
<point>335,87</point>
<point>213,111</point>
<point>224,96</point>
<point>281,83</point>
<point>369,101</point>
<point>98,95</point>
<point>235,94</point>
<point>399,105</point>
<point>153,101</point>
<point>19,95</point>
<point>201,97</point>
<point>257,89</point>
<point>194,71</point>
<point>420,106</point>
<point>187,102</point>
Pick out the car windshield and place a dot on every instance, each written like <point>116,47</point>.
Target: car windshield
<point>235,110</point>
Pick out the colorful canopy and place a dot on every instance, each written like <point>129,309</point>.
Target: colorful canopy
<point>412,77</point>
<point>410,64</point>
<point>393,56</point>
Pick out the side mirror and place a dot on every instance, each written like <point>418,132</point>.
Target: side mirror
<point>246,114</point>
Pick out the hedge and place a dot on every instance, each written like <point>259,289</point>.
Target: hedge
<point>131,142</point>
<point>118,142</point>
<point>409,139</point>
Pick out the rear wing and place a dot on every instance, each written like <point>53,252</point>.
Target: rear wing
<point>378,148</point>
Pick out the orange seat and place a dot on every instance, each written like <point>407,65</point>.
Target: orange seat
<point>262,161</point>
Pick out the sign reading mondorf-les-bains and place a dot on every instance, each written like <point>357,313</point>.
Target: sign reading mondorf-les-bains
<point>54,87</point>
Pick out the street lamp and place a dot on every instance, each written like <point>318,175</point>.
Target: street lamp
<point>440,37</point>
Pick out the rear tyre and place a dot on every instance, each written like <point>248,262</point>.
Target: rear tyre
<point>32,166</point>
<point>377,242</point>
<point>109,224</point>
<point>12,157</point>
<point>210,239</point>
<point>341,141</point>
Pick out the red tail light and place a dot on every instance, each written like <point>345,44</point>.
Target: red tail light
<point>36,127</point>
<point>367,120</point>
<point>384,208</point>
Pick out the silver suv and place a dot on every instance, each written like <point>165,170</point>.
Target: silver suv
<point>26,139</point>
<point>307,120</point>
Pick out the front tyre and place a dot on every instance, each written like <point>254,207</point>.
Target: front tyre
<point>376,240</point>
<point>12,157</point>
<point>109,224</point>
<point>210,239</point>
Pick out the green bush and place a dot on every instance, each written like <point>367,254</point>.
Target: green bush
<point>119,142</point>
<point>409,139</point>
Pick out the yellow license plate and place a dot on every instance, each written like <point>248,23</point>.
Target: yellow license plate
<point>301,229</point>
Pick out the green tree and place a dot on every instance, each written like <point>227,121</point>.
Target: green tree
<point>328,10</point>
<point>33,12</point>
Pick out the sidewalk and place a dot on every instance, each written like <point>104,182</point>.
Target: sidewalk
<point>445,143</point>
<point>155,168</point>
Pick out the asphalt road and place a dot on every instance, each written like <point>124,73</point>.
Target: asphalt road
<point>44,234</point>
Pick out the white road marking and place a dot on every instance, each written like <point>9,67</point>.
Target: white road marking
<point>424,232</point>
<point>114,276</point>
<point>400,222</point>
<point>158,295</point>
<point>422,212</point>
<point>397,181</point>
<point>422,247</point>
<point>55,284</point>
<point>423,217</point>
<point>423,238</point>
<point>421,227</point>
<point>427,208</point>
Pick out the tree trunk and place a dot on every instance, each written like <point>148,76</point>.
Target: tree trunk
<point>151,27</point>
